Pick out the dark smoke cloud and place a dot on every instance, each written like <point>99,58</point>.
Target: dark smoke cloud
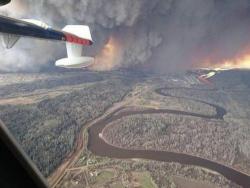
<point>168,34</point>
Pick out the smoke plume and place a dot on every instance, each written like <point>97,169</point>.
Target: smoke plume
<point>165,34</point>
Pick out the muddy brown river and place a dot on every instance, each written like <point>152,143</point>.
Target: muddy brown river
<point>101,148</point>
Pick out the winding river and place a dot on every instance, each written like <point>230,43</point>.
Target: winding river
<point>99,147</point>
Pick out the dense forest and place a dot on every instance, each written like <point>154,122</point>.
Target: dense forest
<point>47,130</point>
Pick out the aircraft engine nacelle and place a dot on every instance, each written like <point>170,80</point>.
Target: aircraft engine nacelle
<point>74,47</point>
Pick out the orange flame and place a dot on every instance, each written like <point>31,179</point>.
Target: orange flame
<point>108,58</point>
<point>241,61</point>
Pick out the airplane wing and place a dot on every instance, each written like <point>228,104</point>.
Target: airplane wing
<point>75,36</point>
<point>37,29</point>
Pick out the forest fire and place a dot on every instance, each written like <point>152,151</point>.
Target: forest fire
<point>241,61</point>
<point>109,56</point>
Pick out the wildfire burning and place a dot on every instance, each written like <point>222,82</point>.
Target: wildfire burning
<point>239,62</point>
<point>111,54</point>
<point>109,57</point>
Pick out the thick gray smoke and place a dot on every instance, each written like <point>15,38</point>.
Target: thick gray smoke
<point>166,34</point>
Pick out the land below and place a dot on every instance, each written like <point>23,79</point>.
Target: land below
<point>68,122</point>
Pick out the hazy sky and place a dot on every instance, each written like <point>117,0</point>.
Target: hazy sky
<point>168,34</point>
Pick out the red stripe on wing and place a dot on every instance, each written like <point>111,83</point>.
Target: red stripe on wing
<point>77,40</point>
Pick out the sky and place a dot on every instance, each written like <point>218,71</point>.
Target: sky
<point>166,35</point>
